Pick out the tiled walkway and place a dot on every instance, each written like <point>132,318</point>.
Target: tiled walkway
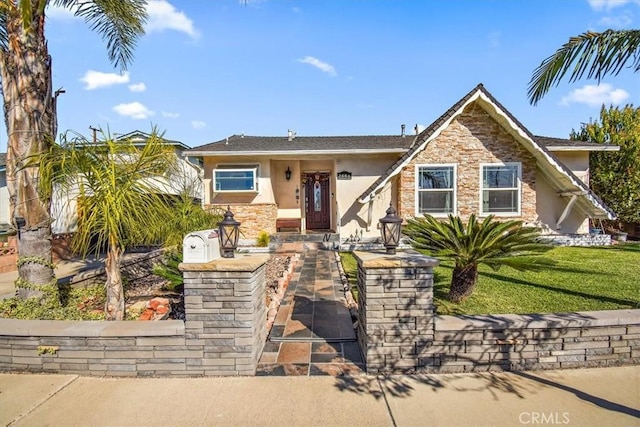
<point>313,332</point>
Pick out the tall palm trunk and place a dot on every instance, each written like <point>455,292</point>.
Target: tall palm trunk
<point>114,306</point>
<point>463,282</point>
<point>25,68</point>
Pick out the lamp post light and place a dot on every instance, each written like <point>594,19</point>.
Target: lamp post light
<point>228,234</point>
<point>390,228</point>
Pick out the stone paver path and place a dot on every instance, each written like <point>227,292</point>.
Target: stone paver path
<point>313,331</point>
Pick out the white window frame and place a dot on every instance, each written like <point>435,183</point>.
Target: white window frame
<point>236,168</point>
<point>454,210</point>
<point>518,189</point>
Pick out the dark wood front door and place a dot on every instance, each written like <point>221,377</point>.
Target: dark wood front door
<point>317,201</point>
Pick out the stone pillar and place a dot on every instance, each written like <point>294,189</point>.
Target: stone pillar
<point>395,310</point>
<point>226,315</point>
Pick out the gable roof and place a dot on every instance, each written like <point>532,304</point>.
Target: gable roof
<point>565,181</point>
<point>560,144</point>
<point>138,137</point>
<point>270,145</point>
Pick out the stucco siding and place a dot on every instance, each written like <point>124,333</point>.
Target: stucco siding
<point>577,162</point>
<point>550,206</point>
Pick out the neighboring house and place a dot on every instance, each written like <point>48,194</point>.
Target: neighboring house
<point>188,177</point>
<point>4,194</point>
<point>475,158</point>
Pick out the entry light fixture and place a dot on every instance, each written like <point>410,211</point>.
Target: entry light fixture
<point>390,228</point>
<point>229,231</point>
<point>287,173</point>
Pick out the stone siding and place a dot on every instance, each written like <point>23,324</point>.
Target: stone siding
<point>472,138</point>
<point>224,332</point>
<point>579,239</point>
<point>399,333</point>
<point>254,218</point>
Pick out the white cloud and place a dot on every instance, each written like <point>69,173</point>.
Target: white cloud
<point>170,115</point>
<point>595,95</point>
<point>96,79</point>
<point>198,124</point>
<point>138,87</point>
<point>134,110</point>
<point>600,5</point>
<point>163,16</point>
<point>320,65</point>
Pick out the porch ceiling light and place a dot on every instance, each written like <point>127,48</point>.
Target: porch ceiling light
<point>228,234</point>
<point>390,228</point>
<point>287,173</point>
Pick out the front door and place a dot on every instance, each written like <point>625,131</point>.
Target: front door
<point>317,200</point>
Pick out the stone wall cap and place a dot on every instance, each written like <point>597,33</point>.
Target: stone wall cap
<point>241,262</point>
<point>90,328</point>
<point>538,321</point>
<point>380,259</point>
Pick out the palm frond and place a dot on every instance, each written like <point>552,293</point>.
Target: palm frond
<point>119,22</point>
<point>594,54</point>
<point>491,242</point>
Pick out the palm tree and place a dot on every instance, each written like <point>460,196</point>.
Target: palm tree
<point>596,54</point>
<point>119,188</point>
<point>490,242</point>
<point>30,109</point>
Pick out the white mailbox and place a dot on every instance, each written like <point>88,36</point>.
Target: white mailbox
<point>200,246</point>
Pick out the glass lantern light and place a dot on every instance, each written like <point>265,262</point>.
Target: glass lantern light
<point>228,233</point>
<point>390,227</point>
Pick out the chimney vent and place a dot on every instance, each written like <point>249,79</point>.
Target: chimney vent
<point>402,128</point>
<point>291,134</point>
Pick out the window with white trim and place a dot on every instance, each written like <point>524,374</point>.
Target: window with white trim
<point>500,188</point>
<point>235,178</point>
<point>436,189</point>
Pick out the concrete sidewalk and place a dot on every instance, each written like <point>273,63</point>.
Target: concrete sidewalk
<point>587,397</point>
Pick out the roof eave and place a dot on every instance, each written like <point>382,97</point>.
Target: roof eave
<point>293,152</point>
<point>583,148</point>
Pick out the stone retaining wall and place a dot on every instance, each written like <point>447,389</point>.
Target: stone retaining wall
<point>399,333</point>
<point>223,334</point>
<point>530,342</point>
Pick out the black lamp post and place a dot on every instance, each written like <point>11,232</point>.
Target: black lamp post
<point>287,174</point>
<point>390,229</point>
<point>228,234</point>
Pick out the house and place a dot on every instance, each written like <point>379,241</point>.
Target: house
<point>188,177</point>
<point>475,158</point>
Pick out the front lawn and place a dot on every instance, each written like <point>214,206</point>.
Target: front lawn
<point>585,279</point>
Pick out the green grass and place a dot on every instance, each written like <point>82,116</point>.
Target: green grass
<point>585,279</point>
<point>350,267</point>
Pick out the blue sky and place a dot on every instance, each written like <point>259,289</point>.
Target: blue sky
<point>209,69</point>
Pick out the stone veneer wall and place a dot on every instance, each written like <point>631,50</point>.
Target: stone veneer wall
<point>579,239</point>
<point>254,218</point>
<point>223,334</point>
<point>472,138</point>
<point>399,333</point>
